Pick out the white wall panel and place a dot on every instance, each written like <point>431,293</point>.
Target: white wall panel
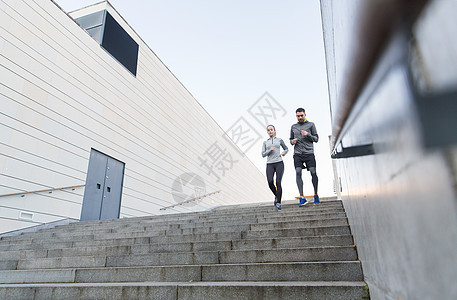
<point>66,95</point>
<point>14,223</point>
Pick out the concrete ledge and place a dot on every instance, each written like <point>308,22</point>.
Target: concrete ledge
<point>341,290</point>
<point>38,276</point>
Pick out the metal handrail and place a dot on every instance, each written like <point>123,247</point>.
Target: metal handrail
<point>361,54</point>
<point>190,200</point>
<point>47,190</point>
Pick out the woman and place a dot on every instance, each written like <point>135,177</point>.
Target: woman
<point>271,149</point>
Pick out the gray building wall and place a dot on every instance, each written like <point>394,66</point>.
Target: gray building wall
<point>392,80</point>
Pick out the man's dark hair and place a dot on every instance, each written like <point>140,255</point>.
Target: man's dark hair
<point>300,110</point>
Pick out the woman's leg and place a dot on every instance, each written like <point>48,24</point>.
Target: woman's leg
<point>270,173</point>
<point>279,173</point>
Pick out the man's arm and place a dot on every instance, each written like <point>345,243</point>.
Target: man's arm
<point>313,134</point>
<point>291,139</point>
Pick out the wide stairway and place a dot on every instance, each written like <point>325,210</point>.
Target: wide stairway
<point>232,252</point>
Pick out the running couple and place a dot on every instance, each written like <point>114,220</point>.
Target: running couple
<point>302,135</point>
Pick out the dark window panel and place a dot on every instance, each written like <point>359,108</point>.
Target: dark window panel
<point>112,37</point>
<point>119,44</point>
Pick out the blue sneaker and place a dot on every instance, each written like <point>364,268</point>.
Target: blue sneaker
<point>303,202</point>
<point>278,206</point>
<point>316,200</point>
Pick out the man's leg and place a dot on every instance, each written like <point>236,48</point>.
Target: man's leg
<point>298,164</point>
<point>314,178</point>
<point>298,173</point>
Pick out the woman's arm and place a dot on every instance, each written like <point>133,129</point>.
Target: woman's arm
<point>265,151</point>
<point>283,145</point>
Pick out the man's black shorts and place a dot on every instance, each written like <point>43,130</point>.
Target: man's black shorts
<point>307,159</point>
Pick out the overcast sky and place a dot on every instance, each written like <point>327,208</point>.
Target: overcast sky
<point>228,54</point>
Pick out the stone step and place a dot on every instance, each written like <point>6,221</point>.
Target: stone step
<point>330,253</point>
<point>229,214</point>
<point>208,237</point>
<point>269,204</point>
<point>142,238</point>
<point>129,248</point>
<point>164,226</point>
<point>95,235</point>
<point>237,256</point>
<point>216,223</point>
<point>295,224</point>
<point>34,246</point>
<point>212,218</point>
<point>293,242</point>
<point>284,271</point>
<point>271,212</point>
<point>296,232</point>
<point>301,217</point>
<point>145,238</point>
<point>267,212</point>
<point>285,290</point>
<point>8,265</point>
<point>237,252</point>
<point>123,224</point>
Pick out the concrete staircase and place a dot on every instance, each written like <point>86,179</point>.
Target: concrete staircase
<point>233,252</point>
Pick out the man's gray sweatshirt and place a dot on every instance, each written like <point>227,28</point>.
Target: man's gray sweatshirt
<point>304,144</point>
<point>275,155</point>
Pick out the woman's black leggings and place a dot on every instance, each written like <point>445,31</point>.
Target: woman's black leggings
<point>279,169</point>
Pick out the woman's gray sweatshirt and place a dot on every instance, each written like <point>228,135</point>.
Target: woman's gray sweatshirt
<point>275,155</point>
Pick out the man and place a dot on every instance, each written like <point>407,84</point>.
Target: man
<point>302,135</point>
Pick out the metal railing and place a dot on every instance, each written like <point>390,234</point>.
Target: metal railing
<point>41,191</point>
<point>190,200</point>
